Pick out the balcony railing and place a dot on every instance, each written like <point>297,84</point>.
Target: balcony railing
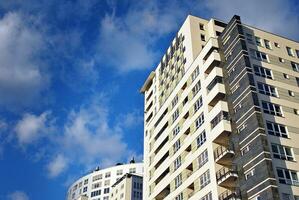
<point>230,195</point>
<point>217,79</point>
<point>226,176</point>
<point>219,117</point>
<point>220,151</point>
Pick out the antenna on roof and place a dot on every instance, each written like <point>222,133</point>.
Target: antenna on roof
<point>132,161</point>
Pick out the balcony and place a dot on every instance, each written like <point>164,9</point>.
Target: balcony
<point>163,194</point>
<point>224,155</point>
<point>221,132</point>
<point>212,61</point>
<point>190,190</point>
<point>230,195</point>
<point>226,177</point>
<point>216,91</point>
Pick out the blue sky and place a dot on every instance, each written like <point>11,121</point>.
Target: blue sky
<point>70,74</point>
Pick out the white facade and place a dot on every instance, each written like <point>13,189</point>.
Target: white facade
<point>97,185</point>
<point>129,187</point>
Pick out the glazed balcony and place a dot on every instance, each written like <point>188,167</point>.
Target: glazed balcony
<point>226,177</point>
<point>224,155</point>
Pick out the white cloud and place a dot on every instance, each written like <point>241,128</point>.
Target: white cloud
<point>31,127</point>
<point>89,136</point>
<point>21,77</point>
<point>3,125</point>
<point>57,165</point>
<point>92,137</point>
<point>18,195</point>
<point>278,16</point>
<point>128,42</point>
<point>131,119</point>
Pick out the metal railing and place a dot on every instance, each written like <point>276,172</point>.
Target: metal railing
<point>229,194</point>
<point>224,171</point>
<point>221,150</point>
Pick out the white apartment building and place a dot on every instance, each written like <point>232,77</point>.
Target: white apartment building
<point>97,184</point>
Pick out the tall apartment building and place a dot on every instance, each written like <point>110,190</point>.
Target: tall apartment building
<point>97,185</point>
<point>221,115</point>
<point>128,187</point>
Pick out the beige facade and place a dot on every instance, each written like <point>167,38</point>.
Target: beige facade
<point>210,134</point>
<point>129,187</point>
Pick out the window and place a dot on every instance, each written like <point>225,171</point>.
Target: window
<point>178,180</point>
<point>175,115</point>
<point>250,174</point>
<point>286,76</point>
<point>281,60</point>
<point>262,71</point>
<point>107,175</point>
<point>199,121</point>
<point>119,172</point>
<point>267,89</point>
<point>96,185</point>
<point>259,55</point>
<point>106,190</point>
<point>258,41</point>
<point>245,150</point>
<point>177,162</point>
<point>95,193</point>
<point>201,139</point>
<point>179,197</point>
<point>297,53</point>
<point>282,152</point>
<point>286,176</point>
<point>201,27</point>
<point>204,179</point>
<point>85,189</point>
<point>267,44</point>
<point>238,107</point>
<point>97,177</point>
<point>271,108</point>
<point>202,158</point>
<point>291,93</point>
<point>295,66</point>
<point>258,197</point>
<point>196,88</point>
<point>177,145</point>
<point>297,80</point>
<point>198,104</point>
<point>290,51</point>
<point>85,181</point>
<point>249,38</point>
<point>195,73</point>
<point>276,129</point>
<point>296,111</point>
<point>242,127</point>
<point>174,101</point>
<point>234,88</point>
<point>276,45</point>
<point>106,198</point>
<point>207,196</point>
<point>132,170</point>
<point>176,130</point>
<point>202,37</point>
